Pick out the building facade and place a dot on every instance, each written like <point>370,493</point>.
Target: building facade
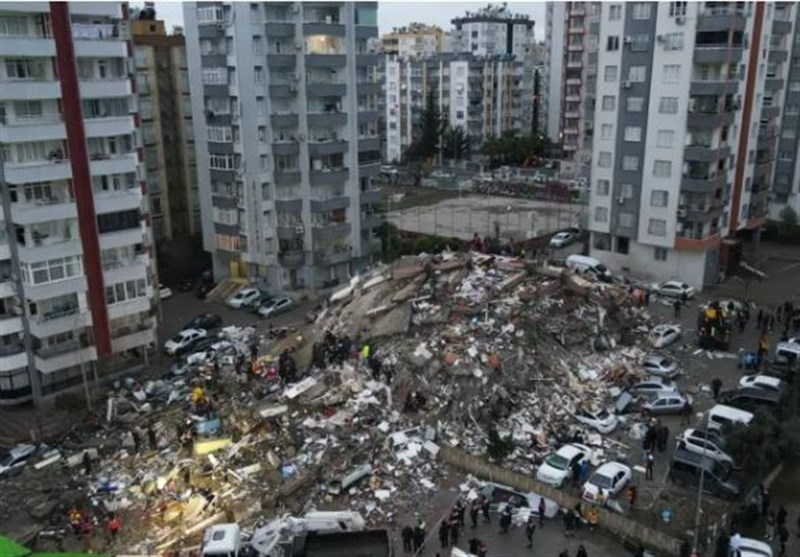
<point>493,31</point>
<point>485,96</point>
<point>165,110</point>
<point>682,144</point>
<point>286,125</point>
<point>416,39</point>
<point>75,248</point>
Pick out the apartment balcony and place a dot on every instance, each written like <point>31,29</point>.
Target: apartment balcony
<point>367,59</point>
<point>770,112</point>
<point>334,203</point>
<point>326,119</point>
<point>130,307</point>
<point>716,54</point>
<point>326,60</point>
<point>325,148</point>
<point>29,90</point>
<point>711,87</point>
<point>121,200</point>
<point>133,337</point>
<point>721,18</point>
<point>777,56</point>
<point>38,171</point>
<point>330,177</point>
<point>122,238</point>
<point>29,46</point>
<point>105,88</point>
<point>705,153</point>
<point>371,196</point>
<point>10,324</point>
<point>292,259</point>
<point>7,288</point>
<point>575,47</point>
<point>326,258</point>
<point>367,115</point>
<point>47,127</point>
<point>281,60</point>
<point>322,232</point>
<point>283,91</point>
<point>372,220</point>
<point>324,28</point>
<point>105,9</point>
<point>294,205</point>
<point>774,84</point>
<point>701,120</point>
<point>68,354</point>
<point>284,120</point>
<point>57,322</point>
<point>369,88</point>
<point>13,357</point>
<point>703,183</point>
<point>279,29</point>
<point>287,177</point>
<point>369,144</point>
<point>101,164</point>
<point>574,65</point>
<point>325,89</point>
<point>55,208</point>
<point>126,269</point>
<point>101,48</point>
<point>107,127</point>
<point>780,27</point>
<point>285,148</point>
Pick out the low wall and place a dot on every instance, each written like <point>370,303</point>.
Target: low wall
<point>629,531</point>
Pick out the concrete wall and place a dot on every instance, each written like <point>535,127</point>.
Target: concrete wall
<point>627,530</point>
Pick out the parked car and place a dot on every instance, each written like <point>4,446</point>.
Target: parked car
<point>666,402</point>
<point>765,382</point>
<point>562,239</point>
<point>388,170</point>
<point>611,477</point>
<point>13,462</point>
<point>749,547</point>
<point>787,351</point>
<point>661,366</point>
<point>698,441</point>
<point>244,298</point>
<point>164,292</point>
<point>207,321</point>
<point>664,335</point>
<point>276,307</point>
<point>183,341</point>
<point>501,495</point>
<point>750,399</point>
<point>601,420</point>
<point>653,384</point>
<point>687,467</point>
<point>673,288</point>
<point>557,466</point>
<point>722,416</point>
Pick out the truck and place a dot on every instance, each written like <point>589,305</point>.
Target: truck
<point>317,534</point>
<point>714,327</point>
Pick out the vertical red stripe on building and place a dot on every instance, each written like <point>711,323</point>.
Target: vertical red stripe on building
<point>747,111</point>
<point>81,174</point>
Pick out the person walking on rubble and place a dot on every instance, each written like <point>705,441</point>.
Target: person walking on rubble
<point>407,533</point>
<point>137,439</point>
<point>419,536</point>
<point>151,438</point>
<point>114,526</point>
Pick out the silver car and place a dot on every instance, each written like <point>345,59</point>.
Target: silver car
<point>665,402</point>
<point>660,365</point>
<point>653,384</point>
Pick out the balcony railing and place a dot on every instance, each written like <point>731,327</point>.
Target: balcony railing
<point>11,349</point>
<point>57,313</point>
<point>95,31</point>
<point>61,348</point>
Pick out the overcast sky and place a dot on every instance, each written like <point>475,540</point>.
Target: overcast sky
<point>396,14</point>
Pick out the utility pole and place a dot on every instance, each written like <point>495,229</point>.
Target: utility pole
<point>699,510</point>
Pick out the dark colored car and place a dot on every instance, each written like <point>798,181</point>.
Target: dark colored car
<point>750,399</point>
<point>207,321</point>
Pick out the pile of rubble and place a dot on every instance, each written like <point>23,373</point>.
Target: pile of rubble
<point>437,349</point>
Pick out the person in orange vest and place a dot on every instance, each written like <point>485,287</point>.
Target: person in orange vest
<point>114,526</point>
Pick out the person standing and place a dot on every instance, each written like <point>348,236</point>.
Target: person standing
<point>473,514</point>
<point>455,525</point>
<point>137,439</point>
<point>649,466</point>
<point>783,536</point>
<point>581,552</point>
<point>408,537</point>
<point>530,528</point>
<point>760,318</point>
<point>576,473</point>
<point>114,526</point>
<point>662,436</point>
<point>461,511</point>
<point>505,519</point>
<point>485,509</point>
<point>419,536</point>
<point>474,544</point>
<point>764,500</point>
<point>770,534</point>
<point>444,533</point>
<point>632,496</point>
<point>781,517</point>
<point>676,305</point>
<point>541,511</point>
<point>716,387</point>
<point>151,438</point>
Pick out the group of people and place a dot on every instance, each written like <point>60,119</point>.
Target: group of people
<point>83,525</point>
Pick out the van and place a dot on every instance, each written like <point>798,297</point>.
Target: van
<point>687,466</point>
<point>588,265</point>
<point>787,352</point>
<point>721,416</point>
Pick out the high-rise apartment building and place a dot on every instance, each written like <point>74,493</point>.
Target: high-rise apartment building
<point>76,272</point>
<point>493,31</point>
<point>683,147</point>
<point>416,39</point>
<point>165,109</point>
<point>284,100</point>
<point>485,96</point>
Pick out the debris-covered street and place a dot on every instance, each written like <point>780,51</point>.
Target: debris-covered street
<point>498,357</point>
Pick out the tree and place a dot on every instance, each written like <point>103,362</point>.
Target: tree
<point>788,222</point>
<point>455,143</point>
<point>426,144</point>
<point>498,448</point>
<point>514,149</point>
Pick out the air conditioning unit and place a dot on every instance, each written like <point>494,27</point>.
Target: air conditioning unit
<point>627,39</point>
<point>298,45</point>
<point>681,213</point>
<point>626,84</point>
<point>299,230</point>
<point>296,78</point>
<point>680,20</point>
<point>220,26</point>
<point>293,88</point>
<point>660,38</point>
<point>620,200</point>
<point>294,9</point>
<point>301,137</point>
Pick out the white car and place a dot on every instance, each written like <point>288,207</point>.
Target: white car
<point>276,306</point>
<point>664,335</point>
<point>388,170</point>
<point>700,442</point>
<point>183,340</point>
<point>562,239</point>
<point>749,547</point>
<point>611,477</point>
<point>654,384</point>
<point>666,402</point>
<point>764,382</point>
<point>787,350</point>
<point>661,366</point>
<point>244,298</point>
<point>557,466</point>
<point>673,288</point>
<point>164,292</point>
<point>15,460</point>
<point>601,420</point>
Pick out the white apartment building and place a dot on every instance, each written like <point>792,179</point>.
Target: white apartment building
<point>284,104</point>
<point>679,134</point>
<point>493,31</point>
<point>485,96</point>
<point>76,271</point>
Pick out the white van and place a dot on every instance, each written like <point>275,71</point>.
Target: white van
<point>588,265</point>
<point>721,416</point>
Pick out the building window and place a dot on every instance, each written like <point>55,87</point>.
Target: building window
<point>603,186</point>
<point>660,254</point>
<point>659,198</point>
<point>662,169</point>
<point>673,41</point>
<point>657,227</point>
<point>121,220</point>
<point>125,291</point>
<point>626,191</point>
<point>642,10</point>
<point>604,159</point>
<point>668,105</point>
<point>677,9</point>
<point>215,76</point>
<point>219,134</point>
<point>614,12</point>
<point>640,43</point>
<point>630,163</point>
<point>623,244</point>
<point>601,241</point>
<point>671,73</point>
<point>601,214</point>
<point>26,68</point>
<point>610,74</point>
<point>625,220</point>
<point>633,133</point>
<point>606,131</point>
<point>665,138</point>
<point>612,42</point>
<point>222,162</point>
<point>635,104</point>
<point>637,74</point>
<point>609,102</point>
<point>54,270</point>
